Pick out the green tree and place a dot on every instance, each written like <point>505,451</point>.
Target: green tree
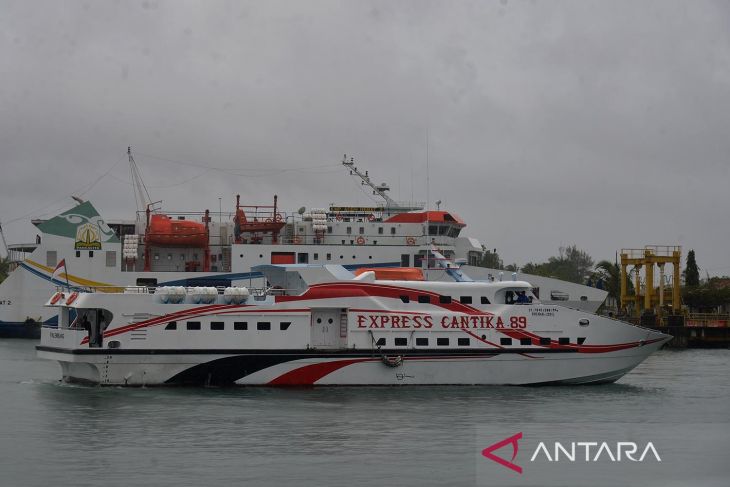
<point>490,258</point>
<point>691,272</point>
<point>610,274</point>
<point>571,264</point>
<point>4,268</point>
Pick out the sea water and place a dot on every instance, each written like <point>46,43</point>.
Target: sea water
<point>56,434</point>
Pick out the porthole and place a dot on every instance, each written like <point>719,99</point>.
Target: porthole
<point>114,344</point>
<point>584,322</point>
<point>329,321</point>
<point>319,320</point>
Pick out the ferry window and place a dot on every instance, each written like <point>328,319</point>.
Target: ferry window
<point>422,298</point>
<point>584,298</point>
<point>485,300</point>
<point>380,230</point>
<point>563,340</point>
<point>380,342</point>
<point>505,341</point>
<point>401,342</point>
<point>392,230</point>
<point>581,340</point>
<point>349,230</point>
<point>91,253</point>
<point>316,256</point>
<point>421,342</point>
<point>263,325</point>
<point>169,256</point>
<point>171,325</point>
<point>240,325</point>
<point>525,341</point>
<point>362,230</point>
<point>182,257</point>
<point>111,258</point>
<point>217,325</point>
<point>329,256</point>
<point>536,292</point>
<point>443,230</point>
<point>463,342</point>
<point>303,258</point>
<point>405,260</point>
<point>284,325</point>
<point>442,342</point>
<point>405,299</point>
<point>51,258</point>
<point>465,299</point>
<point>193,325</point>
<point>78,253</point>
<point>544,341</point>
<point>432,230</point>
<point>445,299</point>
<point>329,229</point>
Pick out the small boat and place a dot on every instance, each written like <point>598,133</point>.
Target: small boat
<point>322,325</point>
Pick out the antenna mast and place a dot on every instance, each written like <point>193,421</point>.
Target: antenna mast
<point>379,190</point>
<point>141,195</point>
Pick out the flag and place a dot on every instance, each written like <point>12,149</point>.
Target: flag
<point>60,269</point>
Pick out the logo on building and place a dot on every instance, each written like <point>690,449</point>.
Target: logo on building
<point>88,237</point>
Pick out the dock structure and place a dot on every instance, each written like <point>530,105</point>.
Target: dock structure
<point>649,298</point>
<point>658,305</point>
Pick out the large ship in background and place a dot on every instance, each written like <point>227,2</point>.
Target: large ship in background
<point>219,249</point>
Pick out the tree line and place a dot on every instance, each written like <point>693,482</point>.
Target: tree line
<point>575,265</point>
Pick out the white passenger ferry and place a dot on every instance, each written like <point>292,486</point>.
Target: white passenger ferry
<point>219,249</point>
<point>323,325</point>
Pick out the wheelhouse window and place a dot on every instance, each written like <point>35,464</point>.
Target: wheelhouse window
<point>485,300</point>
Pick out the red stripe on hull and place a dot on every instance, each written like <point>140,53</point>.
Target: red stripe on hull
<point>309,374</point>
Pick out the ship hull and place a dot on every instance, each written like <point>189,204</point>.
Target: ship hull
<point>343,368</point>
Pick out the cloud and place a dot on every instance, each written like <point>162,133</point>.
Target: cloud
<point>596,123</point>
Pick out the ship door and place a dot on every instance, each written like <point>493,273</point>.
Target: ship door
<point>326,328</point>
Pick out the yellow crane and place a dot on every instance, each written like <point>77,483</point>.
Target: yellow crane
<point>648,297</point>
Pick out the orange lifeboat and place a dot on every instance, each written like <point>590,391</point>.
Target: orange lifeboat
<point>393,273</point>
<point>168,232</point>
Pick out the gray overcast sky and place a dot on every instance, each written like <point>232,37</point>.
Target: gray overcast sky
<point>603,124</point>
